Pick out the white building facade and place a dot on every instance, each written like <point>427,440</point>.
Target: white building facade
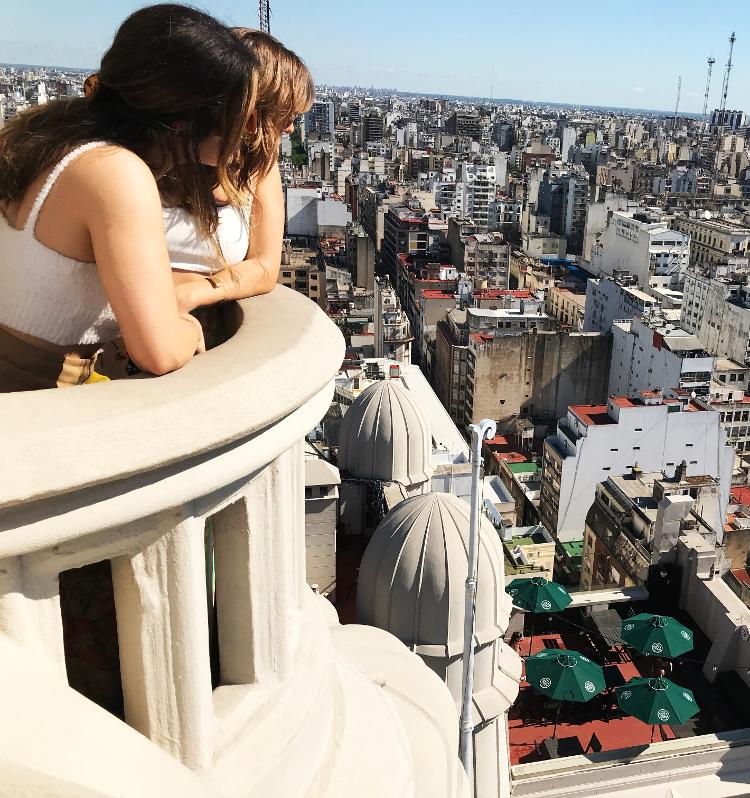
<point>645,247</point>
<point>594,442</point>
<point>609,299</point>
<point>651,354</point>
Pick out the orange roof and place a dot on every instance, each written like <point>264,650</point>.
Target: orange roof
<point>495,293</point>
<point>592,415</point>
<point>741,494</point>
<point>622,401</point>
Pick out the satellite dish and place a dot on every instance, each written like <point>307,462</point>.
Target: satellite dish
<point>693,395</point>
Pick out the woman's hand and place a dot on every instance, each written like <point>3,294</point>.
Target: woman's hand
<point>192,291</point>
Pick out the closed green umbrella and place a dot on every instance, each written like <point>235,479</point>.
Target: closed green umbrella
<point>538,595</point>
<point>657,635</point>
<point>564,675</point>
<point>656,701</point>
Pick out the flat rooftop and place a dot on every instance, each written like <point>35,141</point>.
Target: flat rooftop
<point>598,415</point>
<point>592,415</point>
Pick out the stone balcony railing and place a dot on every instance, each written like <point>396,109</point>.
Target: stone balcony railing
<point>128,473</point>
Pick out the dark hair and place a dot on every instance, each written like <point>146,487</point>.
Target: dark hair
<point>172,77</point>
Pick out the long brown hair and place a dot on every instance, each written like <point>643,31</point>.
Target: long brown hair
<point>285,90</point>
<point>172,77</point>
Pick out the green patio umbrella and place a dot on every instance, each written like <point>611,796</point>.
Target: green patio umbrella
<point>537,594</point>
<point>656,701</point>
<point>565,676</point>
<point>657,635</point>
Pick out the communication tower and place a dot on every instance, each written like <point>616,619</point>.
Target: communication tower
<point>711,62</point>
<point>264,14</point>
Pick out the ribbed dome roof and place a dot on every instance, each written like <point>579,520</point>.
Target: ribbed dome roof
<point>385,436</point>
<point>413,573</point>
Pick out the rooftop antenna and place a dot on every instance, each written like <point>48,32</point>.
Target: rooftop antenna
<point>264,15</point>
<point>711,62</point>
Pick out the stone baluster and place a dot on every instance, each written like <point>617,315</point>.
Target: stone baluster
<point>160,596</point>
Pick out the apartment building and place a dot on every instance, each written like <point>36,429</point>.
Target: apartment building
<point>653,353</point>
<point>635,521</point>
<point>718,311</point>
<point>642,243</point>
<point>596,441</point>
<point>566,305</point>
<point>712,240</point>
<point>616,298</point>
<point>302,270</point>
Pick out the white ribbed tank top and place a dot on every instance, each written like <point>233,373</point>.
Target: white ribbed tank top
<point>190,251</point>
<point>61,300</point>
<point>46,294</point>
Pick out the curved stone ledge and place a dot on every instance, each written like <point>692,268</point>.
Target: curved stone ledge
<point>284,353</point>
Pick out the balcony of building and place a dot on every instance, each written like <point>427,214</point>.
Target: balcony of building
<point>157,635</point>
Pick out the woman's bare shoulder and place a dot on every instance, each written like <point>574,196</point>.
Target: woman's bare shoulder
<point>109,158</point>
<point>105,173</point>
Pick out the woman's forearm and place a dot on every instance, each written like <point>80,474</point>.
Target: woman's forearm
<point>249,278</point>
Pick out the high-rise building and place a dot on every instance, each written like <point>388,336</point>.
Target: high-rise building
<point>512,328</point>
<point>373,126</point>
<point>475,192</point>
<point>567,142</point>
<point>503,135</point>
<point>392,330</point>
<point>718,312</point>
<point>653,353</point>
<point>464,123</point>
<point>728,120</point>
<point>321,118</point>
<point>564,199</point>
<point>610,299</point>
<point>405,232</point>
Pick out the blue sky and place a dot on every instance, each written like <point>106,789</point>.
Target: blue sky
<point>601,53</point>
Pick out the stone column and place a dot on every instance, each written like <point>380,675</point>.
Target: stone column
<point>30,611</point>
<point>160,596</point>
<point>259,545</point>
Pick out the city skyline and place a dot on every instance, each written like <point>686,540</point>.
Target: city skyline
<point>548,65</point>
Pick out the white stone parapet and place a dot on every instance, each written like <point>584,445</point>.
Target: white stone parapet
<point>129,472</point>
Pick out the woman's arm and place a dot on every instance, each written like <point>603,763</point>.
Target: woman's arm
<point>120,206</point>
<point>259,272</point>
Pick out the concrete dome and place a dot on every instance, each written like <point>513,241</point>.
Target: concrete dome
<point>413,573</point>
<point>385,436</point>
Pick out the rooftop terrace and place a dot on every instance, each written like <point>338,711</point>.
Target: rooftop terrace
<point>724,704</point>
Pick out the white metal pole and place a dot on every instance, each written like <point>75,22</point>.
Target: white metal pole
<point>483,430</point>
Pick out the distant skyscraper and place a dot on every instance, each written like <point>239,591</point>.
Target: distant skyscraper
<point>372,126</point>
<point>321,118</point>
<point>729,120</point>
